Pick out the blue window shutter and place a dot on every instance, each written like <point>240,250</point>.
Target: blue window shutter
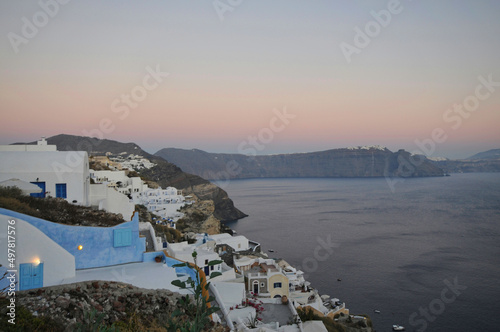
<point>122,237</point>
<point>26,281</point>
<point>61,190</point>
<point>37,274</point>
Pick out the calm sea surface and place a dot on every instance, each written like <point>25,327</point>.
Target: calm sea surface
<point>396,252</point>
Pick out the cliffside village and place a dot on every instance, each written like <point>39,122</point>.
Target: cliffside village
<point>250,286</point>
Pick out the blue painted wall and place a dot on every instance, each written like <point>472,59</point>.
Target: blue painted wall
<point>97,242</point>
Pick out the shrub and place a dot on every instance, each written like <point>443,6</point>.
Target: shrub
<point>55,209</point>
<point>197,310</point>
<point>15,204</point>
<point>10,192</point>
<point>25,321</point>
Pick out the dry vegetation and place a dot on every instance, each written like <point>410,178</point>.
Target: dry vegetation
<point>56,209</point>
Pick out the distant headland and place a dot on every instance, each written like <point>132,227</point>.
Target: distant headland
<point>357,162</point>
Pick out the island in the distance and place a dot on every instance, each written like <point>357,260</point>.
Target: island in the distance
<point>363,161</point>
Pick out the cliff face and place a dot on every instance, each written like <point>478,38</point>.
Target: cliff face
<point>164,173</point>
<point>359,162</point>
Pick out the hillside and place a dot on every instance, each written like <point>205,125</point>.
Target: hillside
<point>482,162</point>
<point>164,173</point>
<point>349,162</point>
<point>493,154</point>
<point>469,166</point>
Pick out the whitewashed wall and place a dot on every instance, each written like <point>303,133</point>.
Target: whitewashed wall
<point>32,245</point>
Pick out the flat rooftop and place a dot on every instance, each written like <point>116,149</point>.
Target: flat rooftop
<point>150,275</point>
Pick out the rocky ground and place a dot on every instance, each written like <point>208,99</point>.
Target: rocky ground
<point>91,305</point>
<point>199,218</point>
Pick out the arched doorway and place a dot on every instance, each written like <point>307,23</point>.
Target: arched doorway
<point>255,286</point>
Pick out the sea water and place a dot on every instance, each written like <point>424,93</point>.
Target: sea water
<point>424,252</point>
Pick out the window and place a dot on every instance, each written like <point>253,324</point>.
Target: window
<point>211,268</point>
<point>61,190</point>
<point>122,237</point>
<point>206,261</point>
<point>277,285</point>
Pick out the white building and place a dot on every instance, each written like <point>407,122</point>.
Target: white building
<point>133,162</point>
<point>238,243</point>
<point>40,146</point>
<point>109,199</point>
<point>62,174</point>
<point>120,181</point>
<point>163,202</point>
<point>37,254</point>
<point>184,252</point>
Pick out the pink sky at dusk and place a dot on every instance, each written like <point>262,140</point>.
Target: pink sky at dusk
<point>227,76</point>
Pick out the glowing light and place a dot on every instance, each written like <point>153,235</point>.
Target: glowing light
<point>80,247</point>
<point>36,261</point>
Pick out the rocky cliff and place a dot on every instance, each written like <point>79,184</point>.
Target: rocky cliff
<point>164,173</point>
<point>349,162</point>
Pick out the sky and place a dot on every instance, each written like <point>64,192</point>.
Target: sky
<point>241,76</point>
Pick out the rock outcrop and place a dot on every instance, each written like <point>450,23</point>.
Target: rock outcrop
<point>124,305</point>
<point>199,218</point>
